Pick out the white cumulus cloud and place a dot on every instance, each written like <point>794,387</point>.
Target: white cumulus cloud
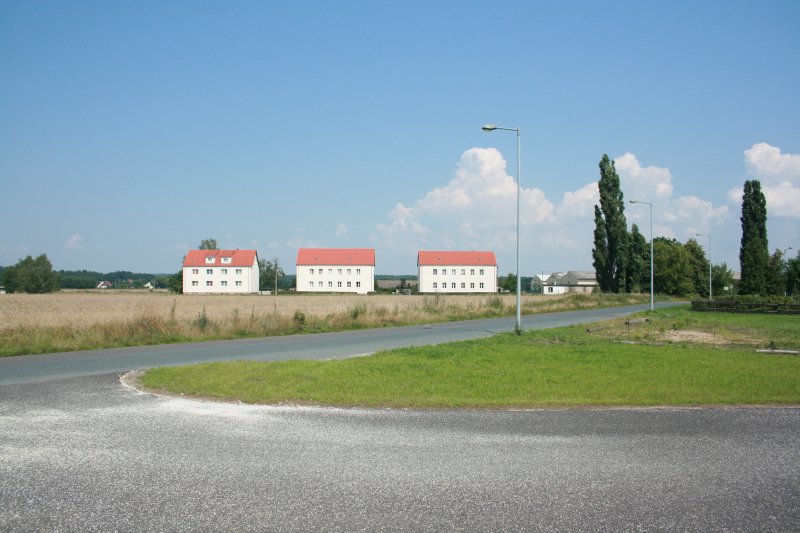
<point>779,174</point>
<point>677,217</point>
<point>475,209</point>
<point>341,229</point>
<point>643,183</point>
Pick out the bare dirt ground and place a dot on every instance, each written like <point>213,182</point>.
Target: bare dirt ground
<point>700,337</point>
<point>71,308</point>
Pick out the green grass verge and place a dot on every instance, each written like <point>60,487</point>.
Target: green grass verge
<point>564,367</point>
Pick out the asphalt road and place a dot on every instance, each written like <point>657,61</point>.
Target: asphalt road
<point>35,368</point>
<point>85,453</point>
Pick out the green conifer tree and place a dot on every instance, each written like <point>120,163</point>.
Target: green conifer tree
<point>610,254</point>
<point>754,250</point>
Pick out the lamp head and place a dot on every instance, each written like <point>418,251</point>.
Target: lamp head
<point>488,127</point>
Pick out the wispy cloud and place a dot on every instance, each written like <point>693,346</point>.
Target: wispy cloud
<point>75,243</point>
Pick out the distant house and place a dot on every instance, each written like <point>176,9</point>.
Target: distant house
<point>336,270</point>
<point>538,282</point>
<point>105,285</point>
<point>457,272</point>
<point>220,271</point>
<point>577,281</point>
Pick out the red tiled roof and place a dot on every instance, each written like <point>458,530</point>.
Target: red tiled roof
<point>239,258</point>
<point>456,258</point>
<point>336,256</point>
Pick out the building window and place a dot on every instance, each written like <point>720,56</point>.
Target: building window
<point>434,284</point>
<point>481,272</point>
<point>349,271</point>
<point>224,271</point>
<point>358,271</point>
<point>209,271</point>
<point>481,285</point>
<point>238,283</point>
<point>312,284</point>
<point>358,284</point>
<point>209,283</point>
<point>471,271</point>
<point>435,272</point>
<point>348,284</point>
<point>209,259</point>
<point>471,285</point>
<point>453,286</point>
<point>330,272</point>
<point>238,270</point>
<point>320,284</point>
<point>463,285</point>
<point>463,271</point>
<point>330,284</point>
<point>194,283</point>
<point>320,271</point>
<point>195,271</point>
<point>226,260</point>
<point>224,283</point>
<point>549,289</point>
<point>339,271</point>
<point>338,283</point>
<point>453,272</point>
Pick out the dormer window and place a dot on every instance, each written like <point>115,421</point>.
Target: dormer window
<point>209,260</point>
<point>226,260</point>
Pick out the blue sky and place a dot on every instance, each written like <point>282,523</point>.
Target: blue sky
<point>130,131</point>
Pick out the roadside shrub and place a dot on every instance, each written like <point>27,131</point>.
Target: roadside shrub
<point>202,320</point>
<point>357,310</point>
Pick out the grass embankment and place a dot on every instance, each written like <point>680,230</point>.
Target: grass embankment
<point>610,364</point>
<point>163,320</point>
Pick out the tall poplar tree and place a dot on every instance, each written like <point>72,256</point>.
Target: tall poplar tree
<point>610,253</point>
<point>637,253</point>
<point>754,251</point>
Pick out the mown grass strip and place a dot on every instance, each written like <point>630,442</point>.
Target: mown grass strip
<point>566,367</point>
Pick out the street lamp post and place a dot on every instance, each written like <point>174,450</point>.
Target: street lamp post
<point>651,248</point>
<point>710,297</point>
<point>489,128</point>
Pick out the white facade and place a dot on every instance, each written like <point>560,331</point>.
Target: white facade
<point>221,272</point>
<point>359,279</point>
<point>457,272</point>
<point>336,270</point>
<point>457,279</point>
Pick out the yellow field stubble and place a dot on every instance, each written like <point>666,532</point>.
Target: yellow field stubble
<point>80,309</point>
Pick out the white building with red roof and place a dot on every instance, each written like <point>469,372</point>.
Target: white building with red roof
<point>336,270</point>
<point>220,272</point>
<point>457,272</point>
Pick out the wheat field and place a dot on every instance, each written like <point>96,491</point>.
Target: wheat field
<point>85,308</point>
<point>87,320</point>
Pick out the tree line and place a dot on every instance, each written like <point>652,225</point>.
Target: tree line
<point>621,258</point>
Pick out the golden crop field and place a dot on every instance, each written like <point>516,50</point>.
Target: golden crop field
<point>86,320</point>
<point>85,308</point>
